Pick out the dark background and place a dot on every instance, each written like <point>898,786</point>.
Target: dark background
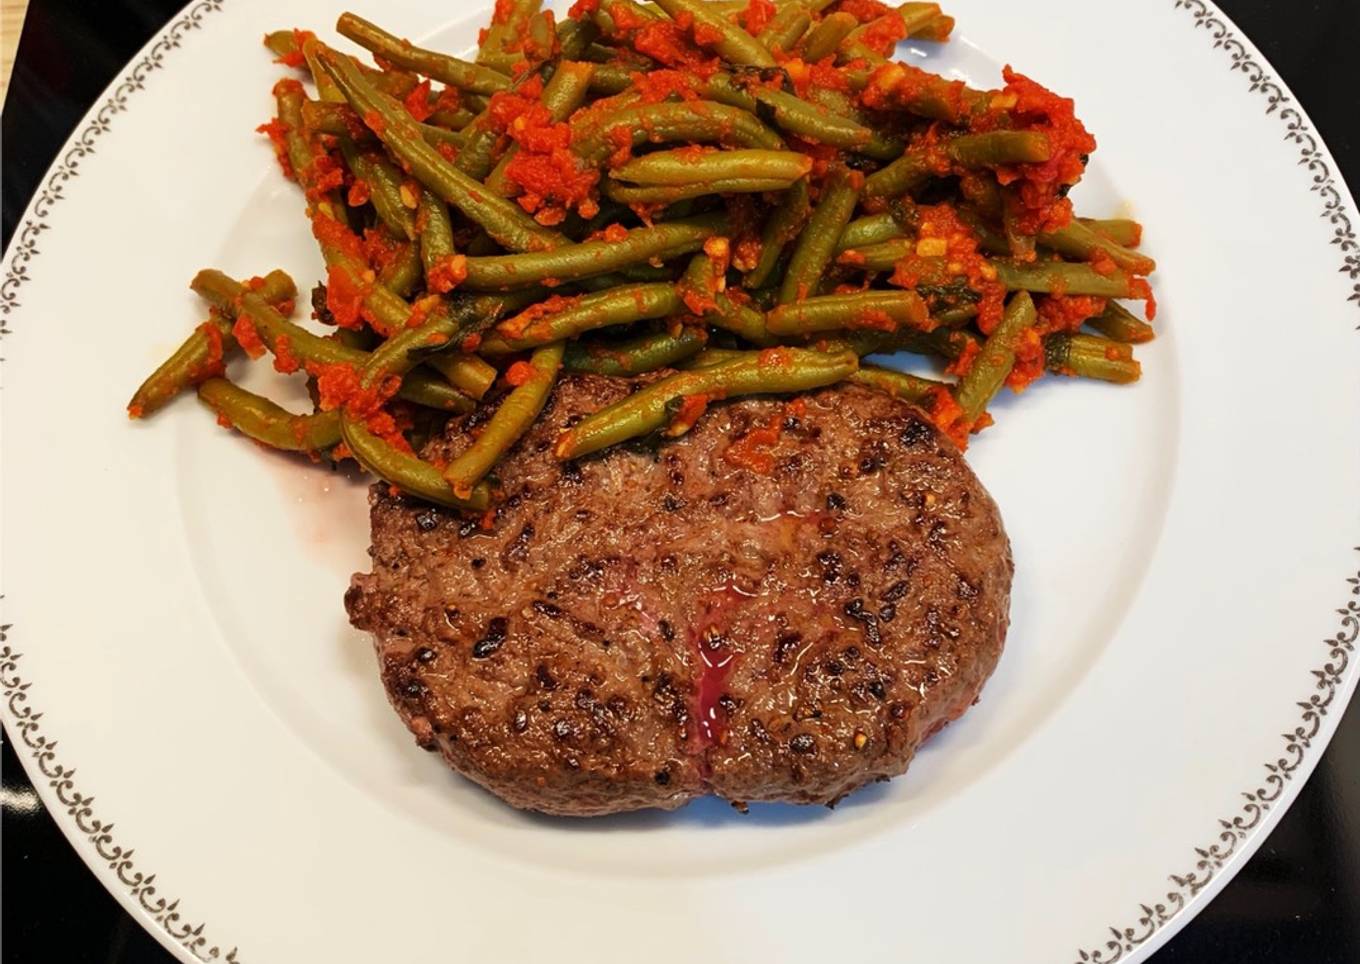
<point>1298,900</point>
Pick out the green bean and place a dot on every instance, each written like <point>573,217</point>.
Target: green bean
<point>404,54</point>
<point>1049,277</point>
<point>575,37</point>
<point>1061,277</point>
<point>1091,357</point>
<point>937,30</point>
<point>387,312</point>
<point>565,92</point>
<point>671,194</point>
<point>732,43</point>
<point>539,43</point>
<point>903,176</point>
<point>870,229</point>
<point>782,226</point>
<point>724,88</point>
<point>903,385</point>
<point>606,17</point>
<point>785,28</point>
<point>996,359</point>
<point>862,309</point>
<point>916,166</point>
<point>687,166</point>
<point>719,309</point>
<point>612,79</point>
<point>882,256</point>
<point>384,180</point>
<point>913,16</point>
<point>508,25</point>
<point>992,240</point>
<point>1081,242</point>
<point>282,43</point>
<point>816,123</point>
<point>644,353</point>
<point>231,297</point>
<point>599,53</point>
<point>817,243</point>
<point>826,37</point>
<point>451,120</point>
<point>402,352</point>
<point>769,371</point>
<point>465,372</point>
<point>292,44</point>
<point>340,119</point>
<point>1123,231</point>
<point>693,122</point>
<point>713,357</point>
<point>407,472</point>
<point>288,100</point>
<point>644,272</point>
<point>1120,324</point>
<point>511,420</point>
<point>477,155</point>
<point>260,419</point>
<point>929,95</point>
<point>948,343</point>
<point>617,306</point>
<point>401,275</point>
<point>1020,243</point>
<point>502,219</point>
<point>198,357</point>
<point>436,238</point>
<point>592,257</point>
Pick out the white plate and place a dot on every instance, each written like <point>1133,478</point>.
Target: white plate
<point>1187,585</point>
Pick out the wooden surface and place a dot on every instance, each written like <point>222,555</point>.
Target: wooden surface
<point>11,20</point>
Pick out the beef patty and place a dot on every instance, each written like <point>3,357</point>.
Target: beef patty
<point>781,605</point>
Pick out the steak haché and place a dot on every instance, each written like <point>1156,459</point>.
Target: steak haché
<point>781,605</point>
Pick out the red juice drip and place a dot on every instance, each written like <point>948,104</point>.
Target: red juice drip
<point>717,663</point>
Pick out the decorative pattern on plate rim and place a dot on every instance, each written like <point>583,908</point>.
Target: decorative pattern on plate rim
<point>1326,184</point>
<point>24,245</point>
<point>23,720</point>
<point>25,727</point>
<point>1331,675</point>
<point>1122,940</point>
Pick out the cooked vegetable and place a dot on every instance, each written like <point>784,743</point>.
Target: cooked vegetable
<point>826,37</point>
<point>646,353</point>
<point>996,358</point>
<point>511,420</point>
<point>880,310</point>
<point>594,137</point>
<point>748,189</point>
<point>405,471</point>
<point>592,257</point>
<point>728,40</point>
<point>686,166</point>
<point>1091,357</point>
<point>614,306</point>
<point>257,417</point>
<point>427,63</point>
<point>272,328</point>
<point>768,371</point>
<point>203,353</point>
<point>818,240</point>
<point>501,219</point>
<point>1118,323</point>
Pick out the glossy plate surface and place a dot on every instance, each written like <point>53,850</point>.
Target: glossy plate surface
<point>1186,586</point>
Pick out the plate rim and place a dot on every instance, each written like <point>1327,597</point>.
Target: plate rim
<point>1237,836</point>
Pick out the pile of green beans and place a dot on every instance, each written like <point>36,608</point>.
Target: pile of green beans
<point>569,200</point>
